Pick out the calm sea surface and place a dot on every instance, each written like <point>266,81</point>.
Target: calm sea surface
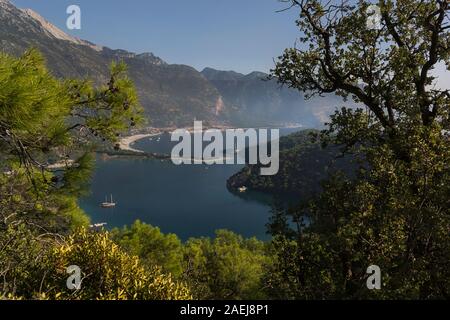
<point>188,200</point>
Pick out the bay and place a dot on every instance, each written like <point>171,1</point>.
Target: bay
<point>188,200</point>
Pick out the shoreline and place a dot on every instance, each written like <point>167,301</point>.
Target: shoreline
<point>126,142</point>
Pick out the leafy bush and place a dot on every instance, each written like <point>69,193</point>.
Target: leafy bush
<point>36,268</point>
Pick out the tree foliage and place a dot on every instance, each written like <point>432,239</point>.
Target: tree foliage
<point>35,267</point>
<point>109,273</point>
<point>152,246</point>
<point>48,130</point>
<point>225,267</point>
<point>396,212</point>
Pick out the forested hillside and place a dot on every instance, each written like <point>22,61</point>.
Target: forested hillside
<point>304,163</point>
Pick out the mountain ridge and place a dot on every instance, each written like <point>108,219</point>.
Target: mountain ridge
<point>58,33</point>
<point>172,94</point>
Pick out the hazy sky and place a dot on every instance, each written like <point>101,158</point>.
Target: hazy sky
<point>241,35</point>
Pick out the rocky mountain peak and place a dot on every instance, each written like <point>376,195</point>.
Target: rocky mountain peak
<point>219,75</point>
<point>53,31</point>
<point>151,58</point>
<point>257,75</point>
<point>6,5</point>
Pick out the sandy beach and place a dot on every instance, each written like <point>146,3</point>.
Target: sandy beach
<point>125,143</point>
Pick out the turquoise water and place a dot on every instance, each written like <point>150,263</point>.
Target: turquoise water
<point>188,200</point>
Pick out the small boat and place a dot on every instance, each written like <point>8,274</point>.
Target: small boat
<point>108,204</point>
<point>242,189</point>
<point>98,225</point>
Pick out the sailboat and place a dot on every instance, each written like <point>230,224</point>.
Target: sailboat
<point>108,204</point>
<point>242,189</point>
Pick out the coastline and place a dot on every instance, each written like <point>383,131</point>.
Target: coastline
<point>126,142</point>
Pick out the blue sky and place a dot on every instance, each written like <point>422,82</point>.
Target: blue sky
<point>240,35</point>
